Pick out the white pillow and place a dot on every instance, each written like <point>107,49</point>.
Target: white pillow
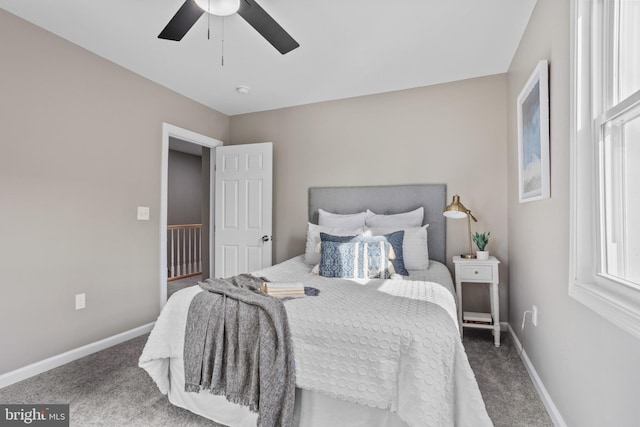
<point>329,219</point>
<point>412,218</point>
<point>415,249</point>
<point>313,239</point>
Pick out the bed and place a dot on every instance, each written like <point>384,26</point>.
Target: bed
<point>368,352</point>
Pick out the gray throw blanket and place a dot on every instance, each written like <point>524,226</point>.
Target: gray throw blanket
<point>238,344</point>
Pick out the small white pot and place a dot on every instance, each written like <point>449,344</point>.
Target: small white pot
<point>482,254</point>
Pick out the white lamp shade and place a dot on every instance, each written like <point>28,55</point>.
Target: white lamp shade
<point>219,7</point>
<point>454,214</point>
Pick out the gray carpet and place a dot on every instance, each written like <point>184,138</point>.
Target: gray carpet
<point>175,285</point>
<point>108,389</point>
<point>508,393</point>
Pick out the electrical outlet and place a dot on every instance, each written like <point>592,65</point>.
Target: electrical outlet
<point>534,316</point>
<point>80,301</point>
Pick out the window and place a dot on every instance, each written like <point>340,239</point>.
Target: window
<point>605,156</point>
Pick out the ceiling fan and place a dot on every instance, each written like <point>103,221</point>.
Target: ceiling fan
<point>249,10</point>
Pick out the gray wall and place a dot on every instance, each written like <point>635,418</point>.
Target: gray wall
<point>451,133</point>
<point>589,366</point>
<point>80,150</point>
<point>184,189</point>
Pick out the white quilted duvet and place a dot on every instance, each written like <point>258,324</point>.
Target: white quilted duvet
<point>389,344</point>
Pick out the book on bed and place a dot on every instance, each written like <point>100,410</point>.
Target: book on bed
<point>283,289</point>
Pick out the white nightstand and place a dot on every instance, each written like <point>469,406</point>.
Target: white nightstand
<point>479,271</point>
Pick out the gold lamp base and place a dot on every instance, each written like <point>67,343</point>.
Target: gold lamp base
<point>457,210</point>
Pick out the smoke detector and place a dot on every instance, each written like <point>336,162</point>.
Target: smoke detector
<point>243,90</point>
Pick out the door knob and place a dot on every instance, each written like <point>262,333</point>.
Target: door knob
<point>266,238</point>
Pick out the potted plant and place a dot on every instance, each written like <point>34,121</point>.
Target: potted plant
<point>481,241</point>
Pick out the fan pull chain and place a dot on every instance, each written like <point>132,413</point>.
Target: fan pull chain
<point>209,21</point>
<point>222,42</point>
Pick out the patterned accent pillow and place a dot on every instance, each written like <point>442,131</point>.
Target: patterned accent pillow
<point>311,255</point>
<point>356,260</point>
<point>396,240</point>
<point>326,237</point>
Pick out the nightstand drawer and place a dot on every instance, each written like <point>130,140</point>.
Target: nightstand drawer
<point>476,273</point>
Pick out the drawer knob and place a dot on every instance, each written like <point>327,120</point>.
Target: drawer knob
<point>475,272</point>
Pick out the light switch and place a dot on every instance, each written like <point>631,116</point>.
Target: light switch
<point>143,213</point>
<point>80,301</point>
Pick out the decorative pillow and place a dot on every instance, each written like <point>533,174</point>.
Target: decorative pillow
<point>415,248</point>
<point>326,237</point>
<point>311,256</point>
<point>412,218</point>
<point>329,219</point>
<point>395,240</point>
<point>356,260</point>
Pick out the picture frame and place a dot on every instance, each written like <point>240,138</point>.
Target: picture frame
<point>534,175</point>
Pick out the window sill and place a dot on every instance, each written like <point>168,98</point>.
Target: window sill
<point>620,305</point>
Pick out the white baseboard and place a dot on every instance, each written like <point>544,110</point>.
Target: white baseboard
<point>28,371</point>
<point>552,410</point>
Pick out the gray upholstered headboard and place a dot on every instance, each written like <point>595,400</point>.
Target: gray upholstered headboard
<point>388,200</point>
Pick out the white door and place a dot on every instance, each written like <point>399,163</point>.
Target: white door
<point>243,205</point>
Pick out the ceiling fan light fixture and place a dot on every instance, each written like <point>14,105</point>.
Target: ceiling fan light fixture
<point>219,7</point>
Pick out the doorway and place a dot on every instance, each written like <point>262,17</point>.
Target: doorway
<point>186,141</point>
<point>187,213</point>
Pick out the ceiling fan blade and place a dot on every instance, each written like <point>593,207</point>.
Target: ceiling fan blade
<point>182,21</point>
<point>259,19</point>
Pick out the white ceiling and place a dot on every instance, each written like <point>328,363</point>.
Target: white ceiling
<point>347,48</point>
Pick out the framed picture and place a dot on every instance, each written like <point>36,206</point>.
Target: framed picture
<point>533,136</point>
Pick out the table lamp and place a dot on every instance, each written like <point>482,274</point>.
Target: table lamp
<point>457,210</point>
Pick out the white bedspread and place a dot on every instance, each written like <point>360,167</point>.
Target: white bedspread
<point>389,344</point>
